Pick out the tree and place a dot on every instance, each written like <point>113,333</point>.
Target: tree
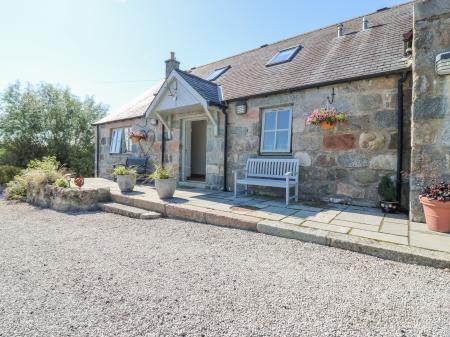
<point>46,120</point>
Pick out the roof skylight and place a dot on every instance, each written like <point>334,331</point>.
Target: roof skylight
<point>216,73</point>
<point>285,55</point>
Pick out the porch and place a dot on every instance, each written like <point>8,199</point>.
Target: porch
<point>362,229</point>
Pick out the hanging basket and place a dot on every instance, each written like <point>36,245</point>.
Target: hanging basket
<point>327,126</point>
<point>137,136</point>
<point>327,118</point>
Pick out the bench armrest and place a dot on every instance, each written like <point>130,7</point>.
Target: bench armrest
<point>287,174</point>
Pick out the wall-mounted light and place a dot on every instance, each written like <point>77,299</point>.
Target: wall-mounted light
<point>443,63</point>
<point>153,121</point>
<point>241,107</point>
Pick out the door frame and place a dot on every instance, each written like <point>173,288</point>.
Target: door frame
<point>183,142</point>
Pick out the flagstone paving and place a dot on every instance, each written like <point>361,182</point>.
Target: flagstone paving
<point>354,222</point>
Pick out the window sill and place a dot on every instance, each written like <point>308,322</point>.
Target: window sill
<point>275,154</point>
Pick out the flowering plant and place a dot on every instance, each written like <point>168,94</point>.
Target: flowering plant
<point>329,115</point>
<point>437,191</point>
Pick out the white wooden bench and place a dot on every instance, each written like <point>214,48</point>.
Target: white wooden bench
<point>282,173</point>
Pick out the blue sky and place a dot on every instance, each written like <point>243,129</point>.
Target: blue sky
<point>115,49</point>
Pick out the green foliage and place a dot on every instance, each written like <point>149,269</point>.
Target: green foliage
<point>17,188</point>
<point>38,173</point>
<point>7,173</point>
<point>61,182</point>
<point>46,120</point>
<point>386,189</point>
<point>160,173</point>
<point>122,171</point>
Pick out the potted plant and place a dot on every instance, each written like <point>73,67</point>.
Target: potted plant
<point>434,199</point>
<point>386,190</point>
<point>126,178</point>
<point>327,118</point>
<point>165,182</point>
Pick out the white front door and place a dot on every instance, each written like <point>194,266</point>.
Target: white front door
<point>187,149</point>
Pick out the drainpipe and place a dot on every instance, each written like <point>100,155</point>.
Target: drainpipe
<point>398,180</point>
<point>162,145</point>
<point>225,148</point>
<point>97,153</point>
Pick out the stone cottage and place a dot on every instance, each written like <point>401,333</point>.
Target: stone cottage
<point>380,68</point>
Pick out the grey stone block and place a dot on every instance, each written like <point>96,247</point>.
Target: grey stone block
<point>353,160</point>
<point>386,119</point>
<point>430,107</point>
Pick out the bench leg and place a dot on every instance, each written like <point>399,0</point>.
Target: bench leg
<point>246,190</point>
<point>296,192</point>
<point>235,185</point>
<point>287,191</point>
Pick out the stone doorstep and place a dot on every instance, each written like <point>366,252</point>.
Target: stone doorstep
<point>384,250</point>
<point>129,211</point>
<point>190,212</point>
<point>133,200</point>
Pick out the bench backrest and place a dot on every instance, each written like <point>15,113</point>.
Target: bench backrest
<point>139,164</point>
<point>272,168</point>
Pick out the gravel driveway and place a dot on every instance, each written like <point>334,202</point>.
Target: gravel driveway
<point>97,274</point>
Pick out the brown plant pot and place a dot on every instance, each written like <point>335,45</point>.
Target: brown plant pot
<point>437,214</point>
<point>327,126</point>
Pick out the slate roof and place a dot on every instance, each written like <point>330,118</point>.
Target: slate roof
<point>210,91</point>
<point>324,57</point>
<point>133,109</point>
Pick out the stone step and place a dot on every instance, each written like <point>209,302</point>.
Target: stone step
<point>129,211</point>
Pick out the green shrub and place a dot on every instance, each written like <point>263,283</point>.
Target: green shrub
<point>160,173</point>
<point>17,188</point>
<point>49,166</point>
<point>7,173</point>
<point>122,171</point>
<point>61,182</point>
<point>386,189</point>
<point>38,173</point>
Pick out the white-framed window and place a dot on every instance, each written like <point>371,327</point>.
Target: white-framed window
<point>120,142</point>
<point>276,130</point>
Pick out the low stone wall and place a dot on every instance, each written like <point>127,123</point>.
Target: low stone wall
<point>67,199</point>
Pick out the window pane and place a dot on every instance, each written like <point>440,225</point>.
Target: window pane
<point>283,119</point>
<point>216,73</point>
<point>282,141</point>
<point>269,120</point>
<point>283,55</point>
<point>113,141</point>
<point>269,141</point>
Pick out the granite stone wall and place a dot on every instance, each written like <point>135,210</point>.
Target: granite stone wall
<point>107,159</point>
<point>214,148</point>
<point>340,165</point>
<point>430,157</point>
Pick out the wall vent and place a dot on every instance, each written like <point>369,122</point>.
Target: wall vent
<point>443,63</point>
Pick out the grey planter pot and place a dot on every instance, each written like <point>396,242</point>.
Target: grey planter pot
<point>165,187</point>
<point>126,182</point>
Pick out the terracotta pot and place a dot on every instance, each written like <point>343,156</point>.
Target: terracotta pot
<point>136,139</point>
<point>327,126</point>
<point>437,214</point>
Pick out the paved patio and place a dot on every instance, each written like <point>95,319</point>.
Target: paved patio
<point>349,227</point>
